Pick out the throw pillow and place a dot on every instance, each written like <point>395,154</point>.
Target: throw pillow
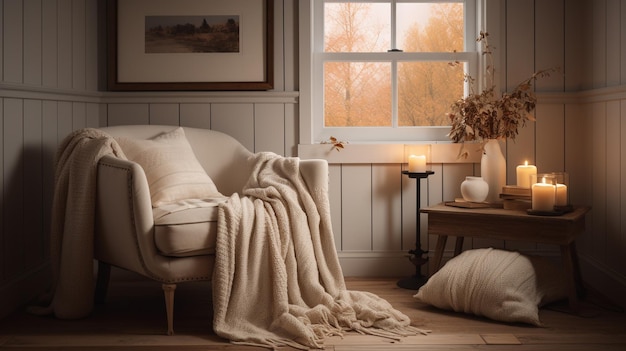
<point>502,285</point>
<point>171,167</point>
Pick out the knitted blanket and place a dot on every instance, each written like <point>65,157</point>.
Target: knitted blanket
<point>277,279</point>
<point>72,223</point>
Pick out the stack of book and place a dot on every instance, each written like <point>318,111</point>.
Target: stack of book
<point>516,198</point>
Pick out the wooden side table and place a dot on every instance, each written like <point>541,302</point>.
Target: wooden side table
<point>513,225</point>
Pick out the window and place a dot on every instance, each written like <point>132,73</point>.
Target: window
<point>381,68</point>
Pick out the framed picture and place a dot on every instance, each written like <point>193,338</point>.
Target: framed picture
<point>190,45</point>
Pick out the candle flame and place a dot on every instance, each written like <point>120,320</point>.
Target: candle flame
<point>526,163</point>
<point>543,180</point>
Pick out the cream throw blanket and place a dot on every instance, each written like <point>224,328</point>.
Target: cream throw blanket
<point>277,279</point>
<point>73,216</point>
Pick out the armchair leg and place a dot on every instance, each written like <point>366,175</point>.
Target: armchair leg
<point>168,290</point>
<point>102,283</point>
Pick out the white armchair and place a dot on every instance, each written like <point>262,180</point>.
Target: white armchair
<point>178,247</point>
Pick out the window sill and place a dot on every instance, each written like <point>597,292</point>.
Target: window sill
<point>388,153</point>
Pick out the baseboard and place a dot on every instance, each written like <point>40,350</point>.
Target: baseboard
<point>17,292</point>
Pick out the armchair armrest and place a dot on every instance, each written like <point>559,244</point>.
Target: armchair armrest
<point>124,220</point>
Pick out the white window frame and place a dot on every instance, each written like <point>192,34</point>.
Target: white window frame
<point>311,79</point>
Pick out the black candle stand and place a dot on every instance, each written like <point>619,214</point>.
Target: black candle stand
<point>416,256</point>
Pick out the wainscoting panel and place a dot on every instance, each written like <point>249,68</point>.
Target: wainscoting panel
<point>356,207</point>
<point>386,207</point>
<point>13,166</point>
<point>195,115</point>
<point>236,120</point>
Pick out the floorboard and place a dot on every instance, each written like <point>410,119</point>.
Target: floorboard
<point>133,318</point>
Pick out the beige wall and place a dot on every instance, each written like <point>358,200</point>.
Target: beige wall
<point>52,64</point>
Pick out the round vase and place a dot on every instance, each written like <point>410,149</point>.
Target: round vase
<point>474,189</point>
<point>493,170</point>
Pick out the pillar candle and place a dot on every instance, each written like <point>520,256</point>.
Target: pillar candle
<point>561,195</point>
<point>524,172</point>
<point>417,163</point>
<point>543,196</point>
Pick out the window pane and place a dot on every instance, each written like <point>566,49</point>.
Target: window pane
<point>357,27</point>
<point>357,94</point>
<point>427,27</point>
<point>425,92</point>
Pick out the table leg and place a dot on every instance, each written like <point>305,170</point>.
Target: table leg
<point>578,278</point>
<point>441,244</point>
<point>572,273</point>
<point>458,246</point>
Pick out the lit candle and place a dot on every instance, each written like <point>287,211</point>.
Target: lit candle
<point>417,163</point>
<point>543,196</point>
<point>524,172</point>
<point>561,195</point>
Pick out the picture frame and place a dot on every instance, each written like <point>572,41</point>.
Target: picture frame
<point>190,45</point>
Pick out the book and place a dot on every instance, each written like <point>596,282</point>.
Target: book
<point>515,190</point>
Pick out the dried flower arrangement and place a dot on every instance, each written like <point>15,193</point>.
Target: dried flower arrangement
<point>482,116</point>
<point>336,143</point>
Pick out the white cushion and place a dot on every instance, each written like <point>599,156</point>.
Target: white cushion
<point>187,228</point>
<point>501,285</point>
<point>172,170</point>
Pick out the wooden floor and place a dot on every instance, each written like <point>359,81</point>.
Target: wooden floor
<point>133,318</point>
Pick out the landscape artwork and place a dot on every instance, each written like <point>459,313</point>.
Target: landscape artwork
<point>192,34</point>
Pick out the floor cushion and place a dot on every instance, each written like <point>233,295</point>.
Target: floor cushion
<point>498,284</point>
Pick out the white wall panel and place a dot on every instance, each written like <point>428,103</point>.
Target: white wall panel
<point>93,113</point>
<point>386,207</point>
<point>599,50</point>
<point>613,182</point>
<point>550,143</point>
<point>165,114</point>
<point>13,64</point>
<point>13,170</point>
<point>50,48</point>
<point>291,130</point>
<point>65,119</point>
<point>622,42</point>
<point>33,181</point>
<point>356,207</point>
<point>2,50</point>
<point>50,142</point>
<point>622,171</point>
<point>613,42</point>
<point>520,30</point>
<point>32,42</point>
<point>79,114</point>
<point>78,45</point>
<point>236,120</point>
<point>125,114</point>
<point>550,43</point>
<point>64,44</point>
<point>335,199</point>
<point>598,184</point>
<point>195,115</point>
<point>3,234</point>
<point>269,128</point>
<point>91,46</point>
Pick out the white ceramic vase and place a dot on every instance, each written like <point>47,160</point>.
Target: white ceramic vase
<point>493,170</point>
<point>474,189</point>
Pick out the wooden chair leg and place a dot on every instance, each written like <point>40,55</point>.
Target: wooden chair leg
<point>102,283</point>
<point>168,290</point>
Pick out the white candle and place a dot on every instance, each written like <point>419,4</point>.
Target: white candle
<point>524,172</point>
<point>561,195</point>
<point>417,163</point>
<point>543,196</point>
